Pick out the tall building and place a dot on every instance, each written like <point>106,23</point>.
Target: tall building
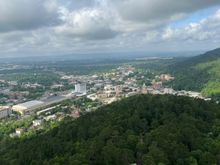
<point>5,111</point>
<point>80,88</point>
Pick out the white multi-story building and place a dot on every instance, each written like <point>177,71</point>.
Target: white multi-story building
<point>80,88</point>
<point>5,111</point>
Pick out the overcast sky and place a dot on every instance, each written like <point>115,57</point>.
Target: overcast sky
<point>41,27</point>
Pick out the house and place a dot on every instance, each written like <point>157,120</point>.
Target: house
<point>19,131</point>
<point>36,123</point>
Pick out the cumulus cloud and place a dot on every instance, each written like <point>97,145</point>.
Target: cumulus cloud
<point>206,29</point>
<point>27,14</point>
<point>134,15</point>
<point>87,23</point>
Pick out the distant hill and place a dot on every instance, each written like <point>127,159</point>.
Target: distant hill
<point>200,73</point>
<point>144,129</point>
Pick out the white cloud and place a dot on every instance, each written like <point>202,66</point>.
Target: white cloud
<point>87,23</point>
<point>206,29</point>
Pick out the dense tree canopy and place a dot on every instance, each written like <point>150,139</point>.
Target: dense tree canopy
<point>144,129</point>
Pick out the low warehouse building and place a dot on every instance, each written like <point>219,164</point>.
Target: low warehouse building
<point>28,107</point>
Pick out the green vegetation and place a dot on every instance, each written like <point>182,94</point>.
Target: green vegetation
<point>201,73</point>
<point>211,88</point>
<point>41,77</point>
<point>143,129</point>
<point>156,66</point>
<point>9,126</point>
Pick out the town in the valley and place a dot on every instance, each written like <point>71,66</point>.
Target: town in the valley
<point>25,115</point>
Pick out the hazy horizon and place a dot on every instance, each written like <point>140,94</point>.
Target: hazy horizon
<point>98,56</point>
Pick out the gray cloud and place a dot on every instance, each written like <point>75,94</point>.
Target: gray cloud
<point>154,10</point>
<point>27,14</point>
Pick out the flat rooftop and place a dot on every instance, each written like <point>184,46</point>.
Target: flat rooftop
<point>3,108</point>
<point>52,99</point>
<point>30,104</point>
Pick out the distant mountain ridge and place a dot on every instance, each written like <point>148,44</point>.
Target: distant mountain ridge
<point>202,58</point>
<point>210,55</point>
<point>200,73</point>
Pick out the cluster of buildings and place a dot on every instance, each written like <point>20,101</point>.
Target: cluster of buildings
<point>103,88</point>
<point>42,105</point>
<point>106,88</point>
<point>12,97</point>
<point>120,83</point>
<point>46,103</point>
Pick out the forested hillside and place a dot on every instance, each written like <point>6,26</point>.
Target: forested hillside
<point>144,129</point>
<point>200,73</point>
